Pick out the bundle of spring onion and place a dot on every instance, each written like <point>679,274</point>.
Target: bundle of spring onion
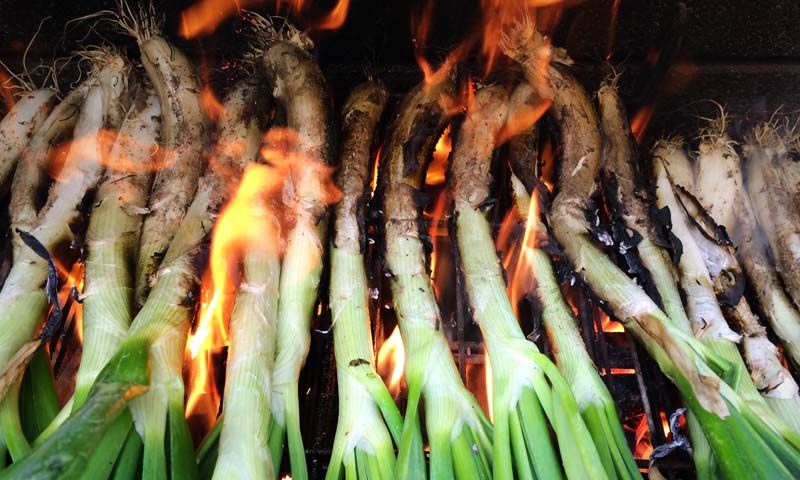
<point>530,395</point>
<point>720,188</point>
<point>243,449</point>
<point>593,397</point>
<point>368,417</point>
<point>741,440</point>
<point>636,222</point>
<point>299,87</point>
<point>459,435</point>
<point>708,269</point>
<point>22,298</point>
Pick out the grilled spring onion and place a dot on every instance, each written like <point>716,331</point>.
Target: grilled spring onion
<point>631,206</point>
<point>243,447</point>
<point>720,188</point>
<point>773,204</point>
<point>30,176</point>
<point>363,445</point>
<point>22,300</point>
<point>530,395</point>
<point>19,125</point>
<point>459,435</point>
<point>298,85</point>
<point>112,240</point>
<point>183,135</point>
<point>164,319</point>
<point>67,452</point>
<point>700,255</point>
<point>702,238</point>
<point>741,440</point>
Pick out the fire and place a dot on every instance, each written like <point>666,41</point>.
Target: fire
<point>72,278</point>
<point>335,18</point>
<point>7,89</point>
<point>373,183</point>
<point>204,16</point>
<point>612,27</point>
<point>391,362</point>
<point>485,34</point>
<point>608,325</point>
<point>211,104</point>
<point>479,381</point>
<point>641,120</point>
<point>246,223</point>
<point>438,167</point>
<point>643,438</point>
<point>98,148</point>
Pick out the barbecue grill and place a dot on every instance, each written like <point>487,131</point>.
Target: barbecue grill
<point>679,60</point>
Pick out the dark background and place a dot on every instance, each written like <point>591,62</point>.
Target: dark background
<point>674,55</point>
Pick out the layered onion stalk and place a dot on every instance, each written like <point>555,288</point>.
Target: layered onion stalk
<point>299,88</point>
<point>369,420</point>
<point>22,299</point>
<point>709,268</point>
<point>530,394</point>
<point>459,434</point>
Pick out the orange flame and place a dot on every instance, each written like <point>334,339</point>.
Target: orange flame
<point>391,362</point>
<point>72,278</point>
<point>643,438</point>
<point>204,16</point>
<point>438,166</point>
<point>479,382</point>
<point>373,183</point>
<point>609,325</point>
<point>98,148</point>
<point>641,120</point>
<point>7,89</point>
<point>211,104</point>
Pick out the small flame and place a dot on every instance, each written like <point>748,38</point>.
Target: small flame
<point>643,438</point>
<point>73,279</point>
<point>479,382</point>
<point>204,16</point>
<point>373,183</point>
<point>211,104</point>
<point>391,362</point>
<point>608,325</point>
<point>7,89</point>
<point>335,18</point>
<point>641,120</point>
<point>612,28</point>
<point>438,166</point>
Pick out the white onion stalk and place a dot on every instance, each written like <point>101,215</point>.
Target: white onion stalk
<point>530,395</point>
<point>22,300</point>
<point>458,432</point>
<point>368,417</point>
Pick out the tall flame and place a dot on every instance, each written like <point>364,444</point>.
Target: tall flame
<point>204,16</point>
<point>391,362</point>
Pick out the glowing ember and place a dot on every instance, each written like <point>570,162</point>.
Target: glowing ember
<point>391,362</point>
<point>479,382</point>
